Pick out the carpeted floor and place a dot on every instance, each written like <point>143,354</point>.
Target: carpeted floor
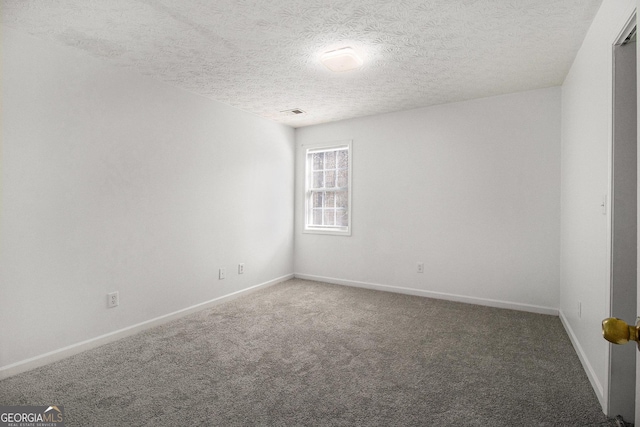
<point>312,354</point>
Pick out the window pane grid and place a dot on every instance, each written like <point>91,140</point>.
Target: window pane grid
<point>328,189</point>
<point>329,208</point>
<point>330,217</point>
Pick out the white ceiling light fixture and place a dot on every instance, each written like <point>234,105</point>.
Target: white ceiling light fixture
<point>340,60</point>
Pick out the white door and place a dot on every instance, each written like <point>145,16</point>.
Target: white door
<point>624,222</point>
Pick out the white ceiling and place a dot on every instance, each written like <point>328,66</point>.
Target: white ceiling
<point>262,56</point>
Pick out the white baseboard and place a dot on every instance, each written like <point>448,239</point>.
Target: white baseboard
<point>437,295</point>
<point>591,374</point>
<point>62,353</point>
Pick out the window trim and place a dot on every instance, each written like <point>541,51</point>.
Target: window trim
<point>318,148</point>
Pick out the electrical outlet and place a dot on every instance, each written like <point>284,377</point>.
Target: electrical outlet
<point>241,268</point>
<point>421,267</point>
<point>221,274</point>
<point>113,299</point>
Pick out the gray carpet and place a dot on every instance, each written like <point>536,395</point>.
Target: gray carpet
<point>312,354</point>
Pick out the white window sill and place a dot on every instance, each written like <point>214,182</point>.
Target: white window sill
<point>328,231</point>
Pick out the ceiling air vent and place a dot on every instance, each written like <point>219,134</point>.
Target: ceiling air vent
<point>293,112</point>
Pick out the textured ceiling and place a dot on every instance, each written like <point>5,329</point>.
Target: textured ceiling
<point>262,56</point>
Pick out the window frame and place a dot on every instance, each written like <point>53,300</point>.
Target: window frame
<point>308,190</point>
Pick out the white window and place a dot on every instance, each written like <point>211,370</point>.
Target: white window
<point>328,189</point>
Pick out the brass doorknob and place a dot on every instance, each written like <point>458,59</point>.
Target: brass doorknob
<point>619,332</point>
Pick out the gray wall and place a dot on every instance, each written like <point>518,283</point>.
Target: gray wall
<point>586,178</point>
<point>471,189</point>
<point>114,182</point>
